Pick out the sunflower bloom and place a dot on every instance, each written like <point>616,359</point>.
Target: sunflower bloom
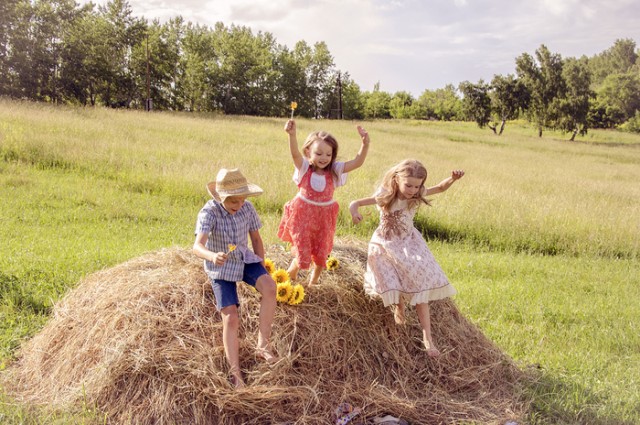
<point>283,291</point>
<point>268,264</point>
<point>332,263</point>
<point>280,275</point>
<point>297,294</point>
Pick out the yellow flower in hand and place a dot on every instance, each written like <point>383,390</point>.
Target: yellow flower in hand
<point>332,263</point>
<point>294,105</point>
<point>231,247</point>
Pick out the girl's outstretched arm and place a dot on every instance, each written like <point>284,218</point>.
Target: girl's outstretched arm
<point>290,128</point>
<point>356,217</point>
<point>362,153</point>
<point>446,183</point>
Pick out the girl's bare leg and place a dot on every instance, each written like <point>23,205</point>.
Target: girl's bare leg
<point>398,313</point>
<point>293,269</point>
<point>425,322</point>
<point>230,324</point>
<point>315,275</point>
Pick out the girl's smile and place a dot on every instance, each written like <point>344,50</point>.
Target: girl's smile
<point>320,154</point>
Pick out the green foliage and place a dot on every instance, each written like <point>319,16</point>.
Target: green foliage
<point>476,102</point>
<point>633,124</point>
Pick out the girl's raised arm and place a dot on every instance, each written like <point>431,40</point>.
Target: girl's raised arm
<point>290,128</point>
<point>362,153</point>
<point>356,217</point>
<point>446,183</point>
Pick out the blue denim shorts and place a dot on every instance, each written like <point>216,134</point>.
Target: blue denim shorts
<point>226,291</point>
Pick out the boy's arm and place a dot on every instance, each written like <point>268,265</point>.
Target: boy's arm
<point>257,244</point>
<point>290,128</point>
<point>200,250</point>
<point>446,183</point>
<point>362,153</point>
<point>356,217</point>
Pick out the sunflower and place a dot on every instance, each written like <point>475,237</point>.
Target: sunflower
<point>280,275</point>
<point>283,291</point>
<point>297,294</point>
<point>268,264</point>
<point>332,263</point>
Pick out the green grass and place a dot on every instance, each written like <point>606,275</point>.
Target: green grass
<point>541,236</point>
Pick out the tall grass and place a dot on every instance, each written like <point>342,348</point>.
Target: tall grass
<point>540,236</point>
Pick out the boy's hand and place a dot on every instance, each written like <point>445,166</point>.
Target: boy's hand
<point>457,174</point>
<point>363,135</point>
<point>290,127</point>
<point>219,258</point>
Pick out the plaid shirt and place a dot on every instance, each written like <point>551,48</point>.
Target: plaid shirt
<point>224,229</point>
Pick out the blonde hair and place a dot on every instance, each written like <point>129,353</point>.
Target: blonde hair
<point>321,136</point>
<point>390,184</point>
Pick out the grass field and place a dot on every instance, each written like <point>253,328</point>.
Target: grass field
<point>541,236</point>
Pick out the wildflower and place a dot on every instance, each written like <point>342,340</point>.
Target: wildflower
<point>280,275</point>
<point>231,248</point>
<point>294,105</point>
<point>284,291</point>
<point>297,294</point>
<point>268,264</point>
<point>332,263</point>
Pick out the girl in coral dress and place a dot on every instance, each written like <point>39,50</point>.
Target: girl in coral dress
<point>400,266</point>
<point>309,219</point>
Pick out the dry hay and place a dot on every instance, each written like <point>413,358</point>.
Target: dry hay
<point>142,342</point>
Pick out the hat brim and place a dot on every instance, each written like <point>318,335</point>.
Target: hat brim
<point>249,190</point>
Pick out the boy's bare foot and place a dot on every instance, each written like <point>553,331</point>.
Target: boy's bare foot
<point>398,315</point>
<point>236,380</point>
<point>266,354</point>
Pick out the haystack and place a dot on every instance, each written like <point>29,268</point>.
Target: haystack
<point>142,342</point>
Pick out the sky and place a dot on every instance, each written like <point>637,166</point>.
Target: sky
<point>418,45</point>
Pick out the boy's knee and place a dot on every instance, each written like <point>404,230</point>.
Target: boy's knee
<point>267,285</point>
<point>230,317</point>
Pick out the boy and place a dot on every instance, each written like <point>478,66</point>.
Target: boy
<point>221,240</point>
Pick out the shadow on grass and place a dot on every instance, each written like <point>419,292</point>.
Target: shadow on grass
<point>556,401</point>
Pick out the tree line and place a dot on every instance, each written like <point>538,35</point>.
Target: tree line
<point>57,51</point>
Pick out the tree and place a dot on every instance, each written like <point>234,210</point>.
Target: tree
<point>574,104</point>
<point>509,96</point>
<point>619,94</point>
<point>476,103</point>
<point>400,105</point>
<point>352,99</point>
<point>376,103</point>
<point>442,104</point>
<point>544,82</point>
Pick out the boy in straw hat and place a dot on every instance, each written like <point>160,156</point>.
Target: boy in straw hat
<point>221,240</point>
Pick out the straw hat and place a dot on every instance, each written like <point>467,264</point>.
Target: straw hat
<point>231,182</point>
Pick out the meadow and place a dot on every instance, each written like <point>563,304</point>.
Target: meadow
<point>541,237</point>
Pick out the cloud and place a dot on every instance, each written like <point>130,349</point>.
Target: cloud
<point>412,45</point>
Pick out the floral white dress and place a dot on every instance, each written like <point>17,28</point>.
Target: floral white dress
<point>400,264</point>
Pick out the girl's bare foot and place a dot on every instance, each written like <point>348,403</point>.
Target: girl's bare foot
<point>432,351</point>
<point>293,270</point>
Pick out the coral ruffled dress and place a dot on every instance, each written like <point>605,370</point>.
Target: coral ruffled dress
<point>400,264</point>
<point>309,219</point>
